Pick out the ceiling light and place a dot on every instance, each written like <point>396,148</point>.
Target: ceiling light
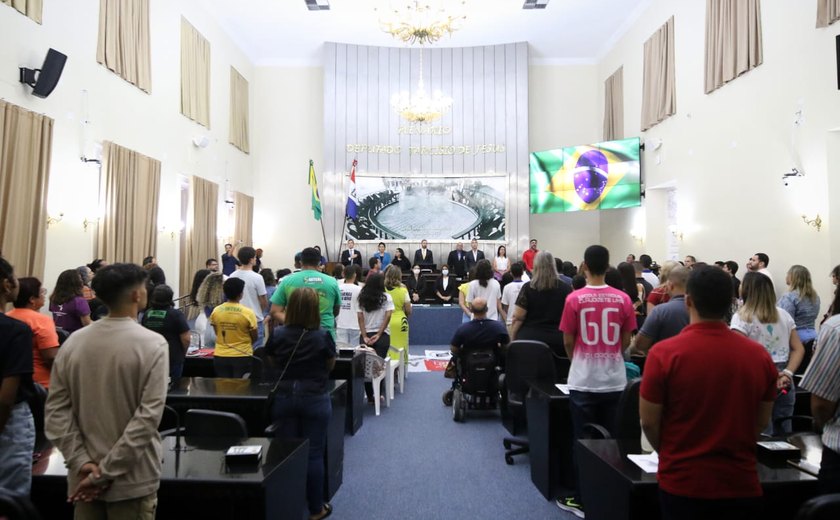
<point>426,21</point>
<point>318,5</point>
<point>420,108</point>
<point>535,4</point>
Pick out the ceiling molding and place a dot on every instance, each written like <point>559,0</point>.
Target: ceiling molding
<point>622,30</point>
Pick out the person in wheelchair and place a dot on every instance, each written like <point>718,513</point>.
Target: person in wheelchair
<point>477,349</point>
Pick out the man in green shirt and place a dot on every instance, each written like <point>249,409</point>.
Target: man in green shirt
<point>309,276</point>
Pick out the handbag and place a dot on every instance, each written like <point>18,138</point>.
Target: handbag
<point>272,396</point>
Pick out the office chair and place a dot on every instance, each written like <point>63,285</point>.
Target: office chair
<point>825,507</point>
<point>627,424</point>
<point>210,423</point>
<point>257,365</point>
<point>170,421</point>
<point>525,361</point>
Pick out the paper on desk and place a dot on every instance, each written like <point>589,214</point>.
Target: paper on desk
<point>563,388</point>
<point>648,462</point>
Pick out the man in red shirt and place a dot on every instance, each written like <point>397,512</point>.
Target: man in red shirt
<point>529,254</point>
<point>704,417</point>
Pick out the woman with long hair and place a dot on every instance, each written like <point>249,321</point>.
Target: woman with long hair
<point>660,294</point>
<point>69,308</point>
<point>486,287</point>
<point>193,310</point>
<point>210,294</point>
<point>501,264</point>
<point>401,261</point>
<point>374,315</point>
<point>398,325</point>
<point>540,304</point>
<point>801,302</point>
<point>634,290</point>
<point>761,320</point>
<point>87,275</point>
<point>304,354</point>
<point>445,288</point>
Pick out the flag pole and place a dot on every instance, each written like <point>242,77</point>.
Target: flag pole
<point>315,194</point>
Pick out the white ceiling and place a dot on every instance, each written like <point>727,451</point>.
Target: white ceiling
<point>284,32</point>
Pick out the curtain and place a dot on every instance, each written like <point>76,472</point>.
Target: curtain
<point>243,223</point>
<point>202,215</point>
<point>828,12</point>
<point>130,191</point>
<point>123,43</point>
<point>31,8</point>
<point>238,111</point>
<point>659,93</point>
<point>614,106</point>
<point>195,75</point>
<point>733,40</point>
<point>25,152</point>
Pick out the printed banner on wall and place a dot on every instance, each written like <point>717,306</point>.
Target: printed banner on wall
<point>432,208</point>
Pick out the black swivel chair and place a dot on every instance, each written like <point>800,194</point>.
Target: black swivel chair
<point>16,507</point>
<point>825,507</point>
<point>212,429</point>
<point>627,424</point>
<point>525,361</point>
<point>806,360</point>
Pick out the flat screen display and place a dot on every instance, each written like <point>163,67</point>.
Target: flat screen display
<point>587,177</point>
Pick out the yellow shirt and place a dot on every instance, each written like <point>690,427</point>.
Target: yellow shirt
<point>233,324</point>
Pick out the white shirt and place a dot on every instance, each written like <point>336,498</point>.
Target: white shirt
<point>501,263</point>
<point>492,293</point>
<point>374,320</point>
<point>774,336</point>
<point>509,296</point>
<point>347,318</point>
<point>254,288</point>
<point>651,278</point>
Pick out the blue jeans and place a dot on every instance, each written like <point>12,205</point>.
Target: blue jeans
<point>17,441</point>
<point>782,407</point>
<point>260,334</point>
<point>306,416</point>
<point>591,407</point>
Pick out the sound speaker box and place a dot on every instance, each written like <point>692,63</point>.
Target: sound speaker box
<point>48,74</point>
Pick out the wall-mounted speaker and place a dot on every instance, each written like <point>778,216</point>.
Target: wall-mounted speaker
<point>47,76</point>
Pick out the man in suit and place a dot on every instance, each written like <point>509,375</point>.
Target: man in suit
<point>423,257</point>
<point>474,254</point>
<point>351,255</point>
<point>457,261</point>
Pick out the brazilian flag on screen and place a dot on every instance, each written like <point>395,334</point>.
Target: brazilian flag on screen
<point>585,178</point>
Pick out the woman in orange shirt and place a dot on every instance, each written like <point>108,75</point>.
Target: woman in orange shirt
<point>31,297</point>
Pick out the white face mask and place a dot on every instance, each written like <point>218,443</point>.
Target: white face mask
<point>445,272</point>
<point>416,271</point>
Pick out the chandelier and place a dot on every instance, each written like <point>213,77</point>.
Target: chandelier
<point>420,108</point>
<point>415,21</point>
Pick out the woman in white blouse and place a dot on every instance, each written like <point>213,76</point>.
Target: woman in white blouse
<point>501,264</point>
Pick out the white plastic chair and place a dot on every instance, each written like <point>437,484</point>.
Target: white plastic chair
<point>398,365</point>
<point>376,369</point>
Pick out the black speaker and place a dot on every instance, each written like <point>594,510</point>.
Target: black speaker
<point>48,74</point>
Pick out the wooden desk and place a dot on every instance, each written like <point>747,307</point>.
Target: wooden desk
<point>618,489</point>
<point>550,438</point>
<point>197,484</point>
<point>248,399</point>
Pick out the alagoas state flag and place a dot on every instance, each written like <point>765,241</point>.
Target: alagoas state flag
<point>585,178</point>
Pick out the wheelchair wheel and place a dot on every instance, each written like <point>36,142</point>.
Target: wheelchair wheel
<point>447,398</point>
<point>509,460</point>
<point>507,445</point>
<point>458,406</point>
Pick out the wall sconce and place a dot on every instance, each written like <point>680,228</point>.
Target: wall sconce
<point>54,220</point>
<point>676,232</point>
<point>814,222</point>
<point>89,222</point>
<point>638,235</point>
<point>173,230</point>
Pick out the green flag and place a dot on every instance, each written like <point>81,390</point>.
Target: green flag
<point>316,200</point>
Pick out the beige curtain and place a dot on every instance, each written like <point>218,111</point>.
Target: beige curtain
<point>202,215</point>
<point>733,40</point>
<point>195,74</point>
<point>130,193</point>
<point>239,111</point>
<point>25,151</point>
<point>659,92</point>
<point>123,44</point>
<point>614,106</point>
<point>31,8</point>
<point>828,12</point>
<point>243,223</point>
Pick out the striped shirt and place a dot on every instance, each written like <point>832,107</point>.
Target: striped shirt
<point>823,377</point>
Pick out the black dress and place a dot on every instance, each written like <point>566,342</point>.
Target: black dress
<point>542,321</point>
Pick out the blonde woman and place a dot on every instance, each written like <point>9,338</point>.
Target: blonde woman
<point>660,294</point>
<point>402,309</point>
<point>801,302</point>
<point>760,320</point>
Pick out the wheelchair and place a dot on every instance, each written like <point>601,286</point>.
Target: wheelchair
<point>475,385</point>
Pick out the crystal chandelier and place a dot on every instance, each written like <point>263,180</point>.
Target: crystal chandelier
<point>420,108</point>
<point>415,21</point>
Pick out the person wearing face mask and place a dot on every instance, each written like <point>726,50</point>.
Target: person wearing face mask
<point>414,283</point>
<point>445,288</point>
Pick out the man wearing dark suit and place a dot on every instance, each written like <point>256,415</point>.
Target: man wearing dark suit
<point>474,255</point>
<point>351,255</point>
<point>457,261</point>
<point>423,257</point>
